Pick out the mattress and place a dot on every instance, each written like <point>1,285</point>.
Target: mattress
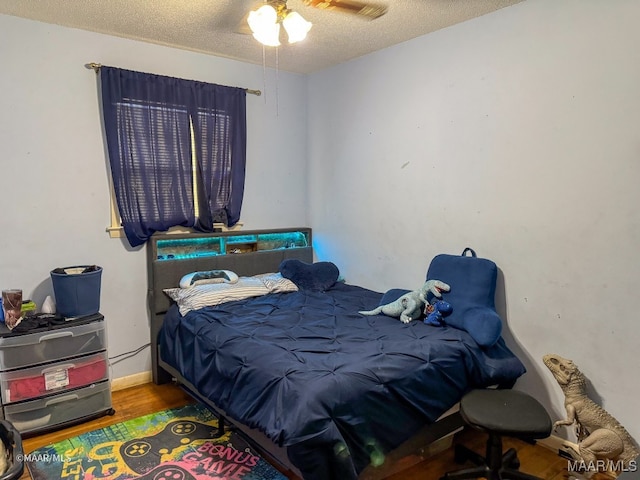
<point>336,388</point>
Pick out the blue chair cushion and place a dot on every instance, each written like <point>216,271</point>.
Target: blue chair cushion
<point>472,295</point>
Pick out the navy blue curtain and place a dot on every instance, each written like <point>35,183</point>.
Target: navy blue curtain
<point>221,145</point>
<point>147,120</point>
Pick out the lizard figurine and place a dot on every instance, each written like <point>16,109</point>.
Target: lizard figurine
<point>602,440</point>
<point>409,306</point>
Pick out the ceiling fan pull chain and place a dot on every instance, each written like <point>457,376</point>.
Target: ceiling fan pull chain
<point>264,73</point>
<point>277,93</point>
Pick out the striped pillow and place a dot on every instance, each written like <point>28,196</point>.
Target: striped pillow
<point>201,296</point>
<point>276,283</point>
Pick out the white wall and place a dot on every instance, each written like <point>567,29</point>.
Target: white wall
<point>517,134</point>
<point>54,192</point>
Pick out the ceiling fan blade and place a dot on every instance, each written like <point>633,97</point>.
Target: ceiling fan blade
<point>370,10</point>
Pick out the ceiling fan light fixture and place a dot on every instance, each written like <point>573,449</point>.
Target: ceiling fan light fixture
<point>296,27</point>
<point>269,35</point>
<point>264,25</point>
<point>266,14</point>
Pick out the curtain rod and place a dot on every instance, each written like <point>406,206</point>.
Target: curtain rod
<point>96,68</point>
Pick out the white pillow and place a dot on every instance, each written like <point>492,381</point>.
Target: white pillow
<point>210,276</point>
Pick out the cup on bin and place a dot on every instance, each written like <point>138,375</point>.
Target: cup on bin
<point>12,306</point>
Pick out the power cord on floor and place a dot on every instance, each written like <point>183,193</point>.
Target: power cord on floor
<point>126,355</point>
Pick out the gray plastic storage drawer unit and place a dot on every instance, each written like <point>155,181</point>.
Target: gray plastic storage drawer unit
<point>50,378</point>
<point>51,345</point>
<point>63,408</point>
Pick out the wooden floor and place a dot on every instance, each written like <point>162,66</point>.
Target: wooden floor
<point>137,401</point>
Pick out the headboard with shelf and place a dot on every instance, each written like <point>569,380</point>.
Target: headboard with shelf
<point>248,252</point>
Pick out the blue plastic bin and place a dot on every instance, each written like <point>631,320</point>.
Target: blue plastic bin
<point>77,294</point>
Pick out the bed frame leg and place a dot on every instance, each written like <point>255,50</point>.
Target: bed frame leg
<point>160,375</point>
<point>221,427</point>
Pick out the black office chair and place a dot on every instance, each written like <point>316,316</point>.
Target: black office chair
<point>500,413</point>
<point>15,455</point>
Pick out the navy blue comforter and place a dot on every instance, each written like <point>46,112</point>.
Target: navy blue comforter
<point>328,383</point>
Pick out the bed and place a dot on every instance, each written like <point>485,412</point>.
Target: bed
<point>324,391</point>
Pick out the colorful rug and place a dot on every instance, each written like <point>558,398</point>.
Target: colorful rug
<point>176,444</point>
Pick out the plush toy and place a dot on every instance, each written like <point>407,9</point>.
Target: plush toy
<point>436,311</point>
<point>409,306</point>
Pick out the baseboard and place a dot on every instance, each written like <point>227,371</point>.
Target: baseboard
<point>553,443</point>
<point>131,381</point>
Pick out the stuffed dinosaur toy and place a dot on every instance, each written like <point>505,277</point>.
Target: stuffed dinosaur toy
<point>436,311</point>
<point>409,306</point>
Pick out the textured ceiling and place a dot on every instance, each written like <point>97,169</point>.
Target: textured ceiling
<point>211,26</point>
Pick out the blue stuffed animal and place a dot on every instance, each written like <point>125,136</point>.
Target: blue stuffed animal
<point>436,311</point>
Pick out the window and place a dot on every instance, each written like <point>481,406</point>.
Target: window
<point>176,149</point>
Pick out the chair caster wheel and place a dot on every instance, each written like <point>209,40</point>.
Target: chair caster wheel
<point>459,456</point>
<point>511,460</point>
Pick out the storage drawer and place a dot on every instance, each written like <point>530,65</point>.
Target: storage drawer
<point>50,346</point>
<point>28,383</point>
<point>55,410</point>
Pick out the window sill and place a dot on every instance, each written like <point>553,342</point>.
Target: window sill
<point>118,232</point>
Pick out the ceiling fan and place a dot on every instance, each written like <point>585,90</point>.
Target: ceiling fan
<point>264,22</point>
<point>366,9</point>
